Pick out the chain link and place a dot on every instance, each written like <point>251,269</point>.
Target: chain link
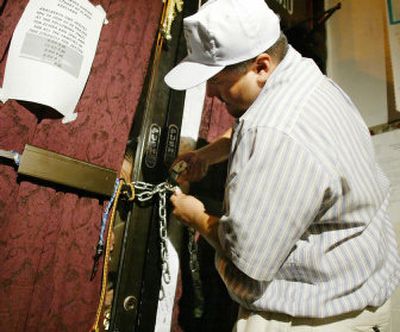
<point>146,193</point>
<point>162,211</point>
<point>198,307</point>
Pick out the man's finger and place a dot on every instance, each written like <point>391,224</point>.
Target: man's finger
<point>177,190</point>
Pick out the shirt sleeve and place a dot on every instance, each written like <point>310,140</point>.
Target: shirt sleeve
<point>274,191</point>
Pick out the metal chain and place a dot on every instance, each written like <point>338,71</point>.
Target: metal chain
<point>198,307</point>
<point>162,212</point>
<point>147,192</point>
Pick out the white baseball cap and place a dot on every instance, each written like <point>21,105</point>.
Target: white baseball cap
<point>222,33</point>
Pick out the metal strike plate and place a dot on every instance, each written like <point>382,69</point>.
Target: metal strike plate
<point>50,166</point>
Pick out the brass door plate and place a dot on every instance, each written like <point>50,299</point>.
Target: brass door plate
<point>67,171</point>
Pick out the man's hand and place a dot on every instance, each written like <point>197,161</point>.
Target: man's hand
<point>199,160</point>
<point>191,212</point>
<point>197,166</point>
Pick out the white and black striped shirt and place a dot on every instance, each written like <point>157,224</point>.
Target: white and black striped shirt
<point>306,224</point>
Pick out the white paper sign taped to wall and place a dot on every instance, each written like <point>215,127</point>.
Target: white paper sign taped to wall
<point>51,53</point>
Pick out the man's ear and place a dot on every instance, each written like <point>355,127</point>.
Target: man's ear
<point>263,66</point>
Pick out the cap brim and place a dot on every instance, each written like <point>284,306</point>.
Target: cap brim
<point>188,74</point>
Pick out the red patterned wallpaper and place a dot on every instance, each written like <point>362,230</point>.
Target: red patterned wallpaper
<point>215,119</point>
<point>47,235</point>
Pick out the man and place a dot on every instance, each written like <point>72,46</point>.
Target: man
<point>305,243</point>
